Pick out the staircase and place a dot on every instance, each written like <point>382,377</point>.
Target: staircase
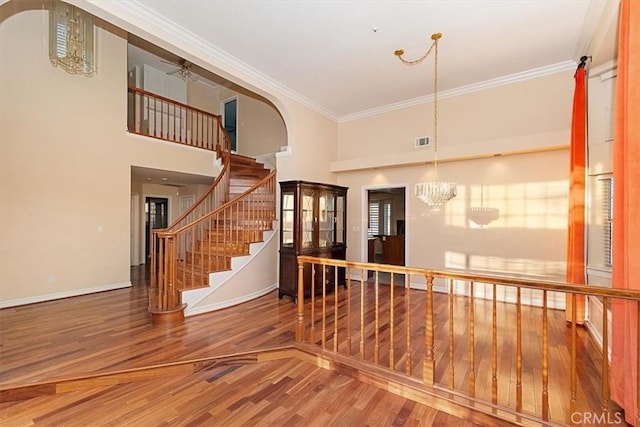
<point>234,213</point>
<point>229,236</point>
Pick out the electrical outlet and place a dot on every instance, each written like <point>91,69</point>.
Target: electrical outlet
<point>52,280</point>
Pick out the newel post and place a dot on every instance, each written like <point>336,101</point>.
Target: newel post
<point>300,318</point>
<point>165,303</point>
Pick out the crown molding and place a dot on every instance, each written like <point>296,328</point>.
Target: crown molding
<point>135,17</point>
<point>139,19</point>
<point>463,90</point>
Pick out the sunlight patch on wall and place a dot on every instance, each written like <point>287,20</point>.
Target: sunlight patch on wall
<point>526,205</point>
<point>534,268</point>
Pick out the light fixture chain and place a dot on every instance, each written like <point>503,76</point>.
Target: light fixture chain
<point>435,110</point>
<point>434,193</point>
<point>400,52</point>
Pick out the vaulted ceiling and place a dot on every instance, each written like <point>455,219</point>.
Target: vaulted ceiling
<point>337,56</point>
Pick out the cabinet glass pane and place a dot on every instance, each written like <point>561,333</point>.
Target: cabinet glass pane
<point>327,214</point>
<point>287,228</point>
<point>340,219</point>
<point>287,219</point>
<point>307,220</point>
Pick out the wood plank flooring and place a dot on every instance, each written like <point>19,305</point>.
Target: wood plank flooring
<point>589,362</point>
<point>112,331</point>
<point>284,392</point>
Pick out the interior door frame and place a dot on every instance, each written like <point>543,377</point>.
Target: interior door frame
<point>223,103</point>
<point>143,216</point>
<point>134,232</point>
<point>365,218</point>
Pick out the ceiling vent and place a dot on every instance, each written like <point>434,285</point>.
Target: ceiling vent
<point>423,141</point>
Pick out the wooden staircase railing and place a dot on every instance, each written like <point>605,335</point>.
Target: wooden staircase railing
<point>468,346</point>
<point>221,224</point>
<point>185,256</point>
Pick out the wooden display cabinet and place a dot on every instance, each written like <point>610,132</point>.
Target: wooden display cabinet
<point>313,220</point>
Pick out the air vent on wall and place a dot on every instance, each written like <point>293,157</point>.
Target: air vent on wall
<point>423,141</point>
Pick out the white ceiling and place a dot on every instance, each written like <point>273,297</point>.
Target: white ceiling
<point>338,55</point>
<point>165,177</point>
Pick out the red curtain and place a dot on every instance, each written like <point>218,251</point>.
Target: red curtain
<point>626,212</point>
<point>575,238</point>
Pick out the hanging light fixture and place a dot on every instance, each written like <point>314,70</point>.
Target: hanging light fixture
<point>482,215</point>
<point>71,44</point>
<point>434,193</point>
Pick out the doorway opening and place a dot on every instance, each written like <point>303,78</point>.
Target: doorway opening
<point>386,225</point>
<point>230,120</point>
<point>156,211</point>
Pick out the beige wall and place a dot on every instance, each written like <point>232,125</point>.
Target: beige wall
<point>66,158</point>
<point>528,238</point>
<point>257,277</point>
<point>66,168</point>
<point>260,127</point>
<point>311,144</point>
<point>65,161</point>
<point>531,114</point>
<point>171,193</point>
<point>203,96</point>
<point>530,190</point>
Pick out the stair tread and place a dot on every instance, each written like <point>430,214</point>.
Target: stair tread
<point>215,250</point>
<point>235,157</point>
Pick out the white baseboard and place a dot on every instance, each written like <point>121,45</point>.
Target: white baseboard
<point>595,311</point>
<point>231,302</point>
<point>67,294</point>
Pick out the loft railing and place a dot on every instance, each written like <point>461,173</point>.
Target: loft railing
<point>464,343</point>
<point>186,255</point>
<point>155,116</point>
<point>159,117</point>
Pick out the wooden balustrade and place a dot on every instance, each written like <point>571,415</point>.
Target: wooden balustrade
<point>401,323</point>
<point>185,255</point>
<point>179,258</point>
<point>155,116</point>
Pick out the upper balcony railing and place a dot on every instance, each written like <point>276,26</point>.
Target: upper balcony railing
<point>155,116</point>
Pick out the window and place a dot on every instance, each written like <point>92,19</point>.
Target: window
<point>607,218</point>
<point>379,217</point>
<point>374,220</point>
<point>386,217</point>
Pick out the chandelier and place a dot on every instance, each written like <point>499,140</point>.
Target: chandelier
<point>71,44</point>
<point>482,215</point>
<point>434,193</point>
<point>185,73</point>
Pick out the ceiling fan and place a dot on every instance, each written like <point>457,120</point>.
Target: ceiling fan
<point>183,70</point>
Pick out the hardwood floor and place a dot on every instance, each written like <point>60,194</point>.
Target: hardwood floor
<point>284,392</point>
<point>112,331</point>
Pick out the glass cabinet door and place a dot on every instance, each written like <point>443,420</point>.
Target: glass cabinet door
<point>287,219</point>
<point>340,214</point>
<point>326,209</point>
<point>308,219</point>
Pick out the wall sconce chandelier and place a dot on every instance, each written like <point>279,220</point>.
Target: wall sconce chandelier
<point>482,215</point>
<point>71,44</point>
<point>434,193</point>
